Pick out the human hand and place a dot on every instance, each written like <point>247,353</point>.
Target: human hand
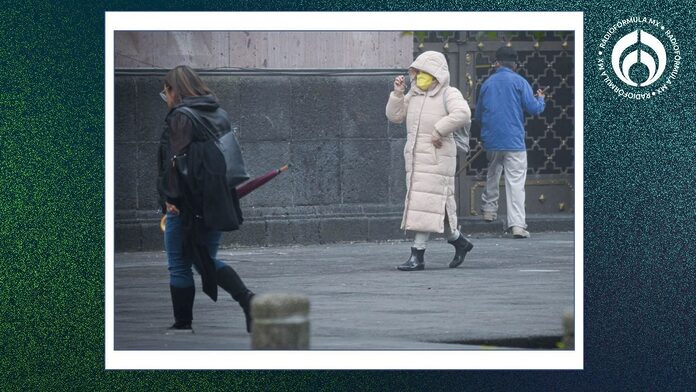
<point>399,84</point>
<point>540,92</point>
<point>171,208</point>
<point>436,139</point>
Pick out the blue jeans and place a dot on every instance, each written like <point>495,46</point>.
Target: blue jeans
<point>180,272</point>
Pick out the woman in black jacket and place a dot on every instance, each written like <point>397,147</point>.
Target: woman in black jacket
<point>187,240</point>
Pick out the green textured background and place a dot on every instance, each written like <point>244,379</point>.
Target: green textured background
<point>640,215</point>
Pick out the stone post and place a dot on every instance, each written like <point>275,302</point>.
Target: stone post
<point>280,322</point>
<point>569,331</point>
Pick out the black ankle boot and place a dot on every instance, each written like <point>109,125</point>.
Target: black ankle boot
<point>246,307</point>
<point>415,262</point>
<point>228,279</point>
<point>461,247</point>
<point>182,303</point>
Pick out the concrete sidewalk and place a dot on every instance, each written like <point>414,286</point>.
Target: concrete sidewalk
<point>506,289</point>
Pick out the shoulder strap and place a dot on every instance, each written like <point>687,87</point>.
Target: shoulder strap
<point>196,118</point>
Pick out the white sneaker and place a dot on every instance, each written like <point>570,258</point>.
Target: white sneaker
<point>489,216</point>
<point>518,232</point>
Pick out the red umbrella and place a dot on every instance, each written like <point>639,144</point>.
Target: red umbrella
<point>247,187</point>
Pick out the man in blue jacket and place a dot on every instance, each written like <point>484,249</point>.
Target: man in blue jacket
<point>503,99</point>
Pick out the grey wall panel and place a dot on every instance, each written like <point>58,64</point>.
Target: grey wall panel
<point>124,103</point>
<point>125,173</point>
<point>146,168</point>
<point>315,110</point>
<point>264,109</point>
<point>397,170</point>
<point>362,107</point>
<point>316,172</point>
<point>364,171</point>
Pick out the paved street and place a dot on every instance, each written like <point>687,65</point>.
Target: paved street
<point>506,289</point>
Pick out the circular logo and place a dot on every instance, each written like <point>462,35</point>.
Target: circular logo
<point>639,58</point>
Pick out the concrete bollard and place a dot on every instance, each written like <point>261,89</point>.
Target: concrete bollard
<point>569,331</point>
<point>280,322</point>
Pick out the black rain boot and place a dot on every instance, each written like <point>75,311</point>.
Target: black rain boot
<point>182,303</point>
<point>228,279</point>
<point>415,262</point>
<point>461,246</point>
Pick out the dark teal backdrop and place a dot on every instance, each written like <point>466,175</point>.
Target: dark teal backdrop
<point>640,203</point>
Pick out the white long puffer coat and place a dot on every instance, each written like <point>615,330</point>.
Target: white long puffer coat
<point>430,171</point>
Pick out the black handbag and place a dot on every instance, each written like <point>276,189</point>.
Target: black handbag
<point>235,170</point>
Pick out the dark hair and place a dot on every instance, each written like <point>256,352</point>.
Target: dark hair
<point>505,53</point>
<point>183,82</point>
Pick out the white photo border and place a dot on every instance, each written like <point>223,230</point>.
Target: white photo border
<point>342,21</point>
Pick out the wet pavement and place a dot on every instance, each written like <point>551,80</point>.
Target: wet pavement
<point>506,289</point>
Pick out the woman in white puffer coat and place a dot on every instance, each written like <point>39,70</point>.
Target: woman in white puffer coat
<point>433,111</point>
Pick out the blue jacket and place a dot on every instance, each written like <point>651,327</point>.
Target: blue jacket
<point>501,102</point>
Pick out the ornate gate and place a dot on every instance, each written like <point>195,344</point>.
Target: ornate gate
<point>545,60</point>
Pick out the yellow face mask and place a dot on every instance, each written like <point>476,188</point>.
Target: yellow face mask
<point>424,80</point>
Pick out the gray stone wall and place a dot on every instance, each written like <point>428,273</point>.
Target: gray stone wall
<point>346,182</point>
